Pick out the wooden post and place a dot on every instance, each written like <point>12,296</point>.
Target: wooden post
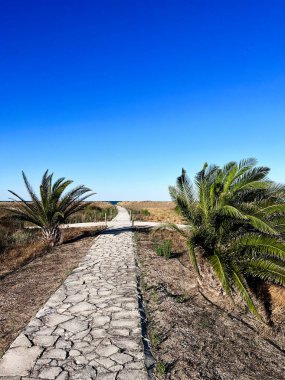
<point>106,219</point>
<point>132,218</point>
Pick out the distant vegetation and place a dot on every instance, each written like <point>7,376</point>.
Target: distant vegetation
<point>94,212</point>
<point>153,211</point>
<point>236,217</point>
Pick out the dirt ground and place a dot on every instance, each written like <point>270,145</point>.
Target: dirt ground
<point>195,338</point>
<point>25,291</point>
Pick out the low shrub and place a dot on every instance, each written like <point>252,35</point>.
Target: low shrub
<point>17,238</point>
<point>145,212</point>
<point>164,249</point>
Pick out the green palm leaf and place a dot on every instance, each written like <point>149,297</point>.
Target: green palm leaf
<point>241,286</point>
<point>52,208</point>
<point>237,218</point>
<point>267,270</point>
<point>221,272</point>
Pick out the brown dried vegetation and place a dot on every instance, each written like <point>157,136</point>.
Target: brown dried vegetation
<point>159,211</point>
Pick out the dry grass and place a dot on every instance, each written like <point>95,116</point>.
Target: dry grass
<point>103,205</point>
<point>159,211</point>
<point>277,297</point>
<point>15,257</point>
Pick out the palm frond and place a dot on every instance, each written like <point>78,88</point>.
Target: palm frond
<point>242,287</point>
<point>220,271</point>
<point>267,270</point>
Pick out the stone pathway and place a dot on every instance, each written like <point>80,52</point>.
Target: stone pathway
<point>90,328</point>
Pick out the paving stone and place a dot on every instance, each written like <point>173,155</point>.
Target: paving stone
<point>106,376</point>
<point>125,314</point>
<point>63,376</point>
<point>88,373</point>
<point>45,331</point>
<point>81,335</point>
<point>75,325</point>
<point>62,343</point>
<point>99,333</point>
<point>74,299</point>
<point>81,306</point>
<point>55,353</point>
<point>50,373</point>
<point>42,362</point>
<point>127,344</point>
<point>135,365</point>
<point>21,341</point>
<point>119,332</point>
<point>106,350</point>
<point>35,322</point>
<point>45,340</point>
<point>18,361</point>
<point>74,353</point>
<point>116,368</point>
<point>106,362</point>
<point>124,323</point>
<point>55,319</point>
<point>132,375</point>
<point>100,321</point>
<point>80,360</point>
<point>121,358</point>
<point>90,327</point>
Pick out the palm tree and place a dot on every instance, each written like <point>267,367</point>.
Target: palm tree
<point>52,208</point>
<point>236,219</point>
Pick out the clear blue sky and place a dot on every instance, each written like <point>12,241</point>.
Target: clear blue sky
<point>119,95</point>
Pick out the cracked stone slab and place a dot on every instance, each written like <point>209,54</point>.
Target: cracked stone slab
<point>75,326</point>
<point>19,361</point>
<point>90,327</point>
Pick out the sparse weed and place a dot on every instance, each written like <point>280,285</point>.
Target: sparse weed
<point>180,299</point>
<point>206,322</point>
<point>164,249</point>
<point>154,295</point>
<point>160,368</point>
<point>155,339</point>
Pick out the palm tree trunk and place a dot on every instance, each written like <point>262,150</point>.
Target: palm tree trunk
<point>209,282</point>
<point>52,235</point>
